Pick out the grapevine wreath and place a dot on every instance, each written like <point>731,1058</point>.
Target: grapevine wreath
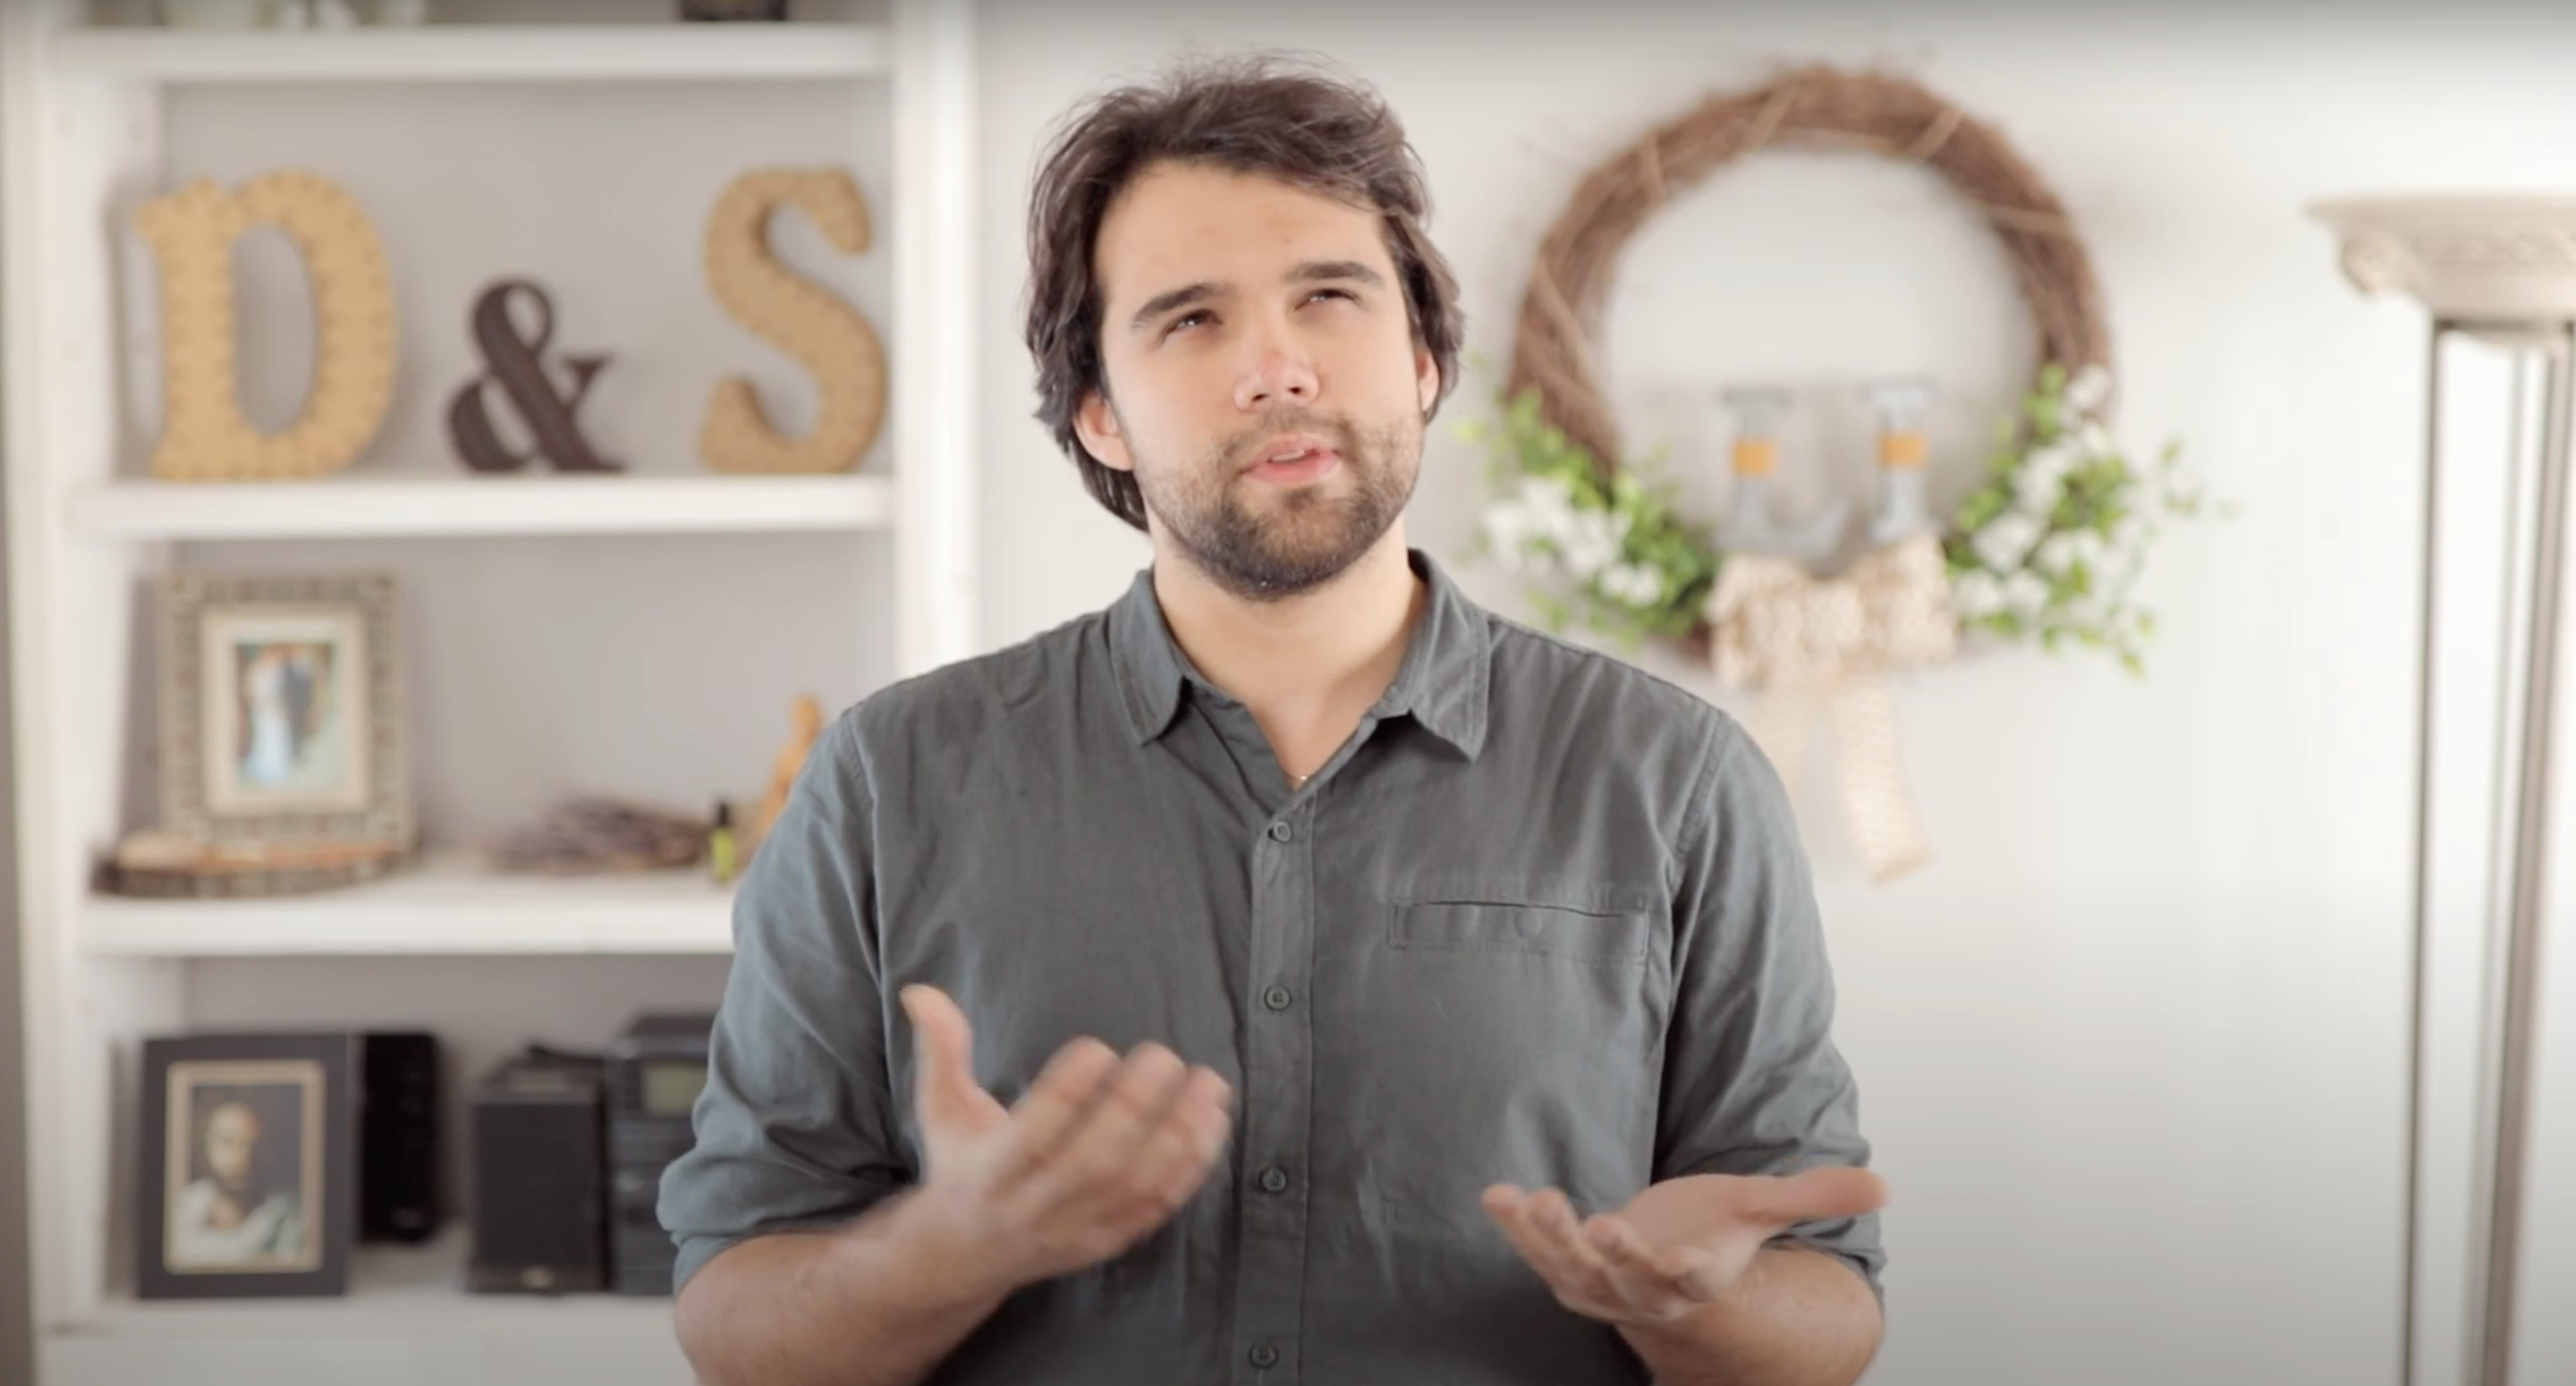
<point>2043,549</point>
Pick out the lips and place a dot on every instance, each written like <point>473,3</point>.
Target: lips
<point>1294,459</point>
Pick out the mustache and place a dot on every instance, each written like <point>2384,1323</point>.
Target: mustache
<point>1239,452</point>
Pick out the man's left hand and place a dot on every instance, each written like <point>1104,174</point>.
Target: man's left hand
<point>1678,1246</point>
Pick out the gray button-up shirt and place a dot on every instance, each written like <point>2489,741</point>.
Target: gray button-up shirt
<point>1544,920</point>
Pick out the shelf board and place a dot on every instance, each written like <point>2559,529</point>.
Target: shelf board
<point>476,53</point>
<point>363,506</point>
<point>396,1292</point>
<point>446,905</point>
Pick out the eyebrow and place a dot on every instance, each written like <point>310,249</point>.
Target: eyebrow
<point>1307,272</point>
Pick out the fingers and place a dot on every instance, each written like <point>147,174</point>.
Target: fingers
<point>1094,1155</point>
<point>1176,1155</point>
<point>1132,1140</point>
<point>1131,1108</point>
<point>1048,1113</point>
<point>1122,1115</point>
<point>945,1086</point>
<point>1661,1284</point>
<point>1544,1229</point>
<point>1818,1195</point>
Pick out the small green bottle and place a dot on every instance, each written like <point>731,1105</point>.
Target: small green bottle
<point>720,844</point>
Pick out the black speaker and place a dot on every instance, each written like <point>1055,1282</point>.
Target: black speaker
<point>540,1162</point>
<point>398,1161</point>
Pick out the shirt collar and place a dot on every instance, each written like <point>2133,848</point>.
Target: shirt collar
<point>1443,684</point>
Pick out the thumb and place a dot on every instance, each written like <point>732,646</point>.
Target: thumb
<point>1819,1195</point>
<point>944,1089</point>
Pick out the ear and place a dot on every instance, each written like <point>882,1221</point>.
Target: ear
<point>1096,424</point>
<point>1426,374</point>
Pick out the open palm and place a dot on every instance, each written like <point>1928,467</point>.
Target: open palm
<point>1676,1246</point>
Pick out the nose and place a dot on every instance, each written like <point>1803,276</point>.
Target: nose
<point>1278,375</point>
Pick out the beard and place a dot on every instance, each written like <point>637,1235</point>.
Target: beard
<point>1304,537</point>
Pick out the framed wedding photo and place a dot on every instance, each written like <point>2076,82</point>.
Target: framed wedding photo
<point>248,1168</point>
<point>281,714</point>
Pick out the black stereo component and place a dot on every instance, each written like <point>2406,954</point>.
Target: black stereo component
<point>655,1071</point>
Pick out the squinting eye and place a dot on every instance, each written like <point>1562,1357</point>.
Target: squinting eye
<point>1188,320</point>
<point>1343,294</point>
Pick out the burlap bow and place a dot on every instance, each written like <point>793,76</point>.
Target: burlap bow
<point>1811,643</point>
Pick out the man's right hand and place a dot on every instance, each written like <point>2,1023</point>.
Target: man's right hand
<point>1097,1154</point>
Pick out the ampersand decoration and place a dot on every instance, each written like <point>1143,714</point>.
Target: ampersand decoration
<point>517,365</point>
<point>827,335</point>
<point>192,233</point>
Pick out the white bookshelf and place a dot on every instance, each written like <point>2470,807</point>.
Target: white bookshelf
<point>96,113</point>
<point>479,53</point>
<point>394,507</point>
<point>404,1324</point>
<point>443,905</point>
<point>398,1291</point>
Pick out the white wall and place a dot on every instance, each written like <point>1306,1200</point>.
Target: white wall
<point>2133,1049</point>
<point>16,1351</point>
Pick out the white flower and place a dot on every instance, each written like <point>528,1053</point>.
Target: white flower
<point>1976,594</point>
<point>2088,389</point>
<point>1516,559</point>
<point>2041,481</point>
<point>2095,440</point>
<point>1550,502</point>
<point>2025,593</point>
<point>1509,526</point>
<point>2006,540</point>
<point>2087,547</point>
<point>1633,584</point>
<point>2058,553</point>
<point>1590,543</point>
<point>2092,610</point>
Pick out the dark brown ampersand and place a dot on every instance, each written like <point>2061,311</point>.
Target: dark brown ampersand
<point>517,365</point>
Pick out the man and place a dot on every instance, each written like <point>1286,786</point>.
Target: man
<point>1497,960</point>
<point>228,1217</point>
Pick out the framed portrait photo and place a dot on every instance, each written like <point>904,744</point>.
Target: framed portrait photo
<point>281,714</point>
<point>248,1168</point>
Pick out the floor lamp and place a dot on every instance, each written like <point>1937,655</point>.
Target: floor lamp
<point>2499,272</point>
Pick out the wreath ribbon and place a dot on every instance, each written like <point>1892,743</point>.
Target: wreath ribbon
<point>1830,645</point>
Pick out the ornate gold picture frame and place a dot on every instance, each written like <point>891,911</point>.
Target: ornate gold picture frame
<point>281,709</point>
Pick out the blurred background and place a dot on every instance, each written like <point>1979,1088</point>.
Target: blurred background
<point>2133,1049</point>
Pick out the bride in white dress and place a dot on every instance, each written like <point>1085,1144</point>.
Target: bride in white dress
<point>270,757</point>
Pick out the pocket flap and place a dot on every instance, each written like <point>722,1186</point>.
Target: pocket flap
<point>1593,934</point>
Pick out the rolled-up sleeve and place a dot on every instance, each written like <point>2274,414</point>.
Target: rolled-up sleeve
<point>795,1127</point>
<point>1753,1083</point>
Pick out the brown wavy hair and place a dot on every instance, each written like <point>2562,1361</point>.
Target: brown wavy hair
<point>1261,114</point>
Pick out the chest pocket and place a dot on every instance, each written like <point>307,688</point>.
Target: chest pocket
<point>1602,926</point>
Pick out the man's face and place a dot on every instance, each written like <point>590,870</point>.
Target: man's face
<point>232,1133</point>
<point>1264,386</point>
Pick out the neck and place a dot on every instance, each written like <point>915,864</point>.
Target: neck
<point>1307,666</point>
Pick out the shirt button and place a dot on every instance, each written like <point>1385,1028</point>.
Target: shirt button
<point>1274,1180</point>
<point>1277,998</point>
<point>1281,832</point>
<point>1264,1355</point>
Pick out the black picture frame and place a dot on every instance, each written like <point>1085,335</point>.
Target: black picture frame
<point>248,1166</point>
